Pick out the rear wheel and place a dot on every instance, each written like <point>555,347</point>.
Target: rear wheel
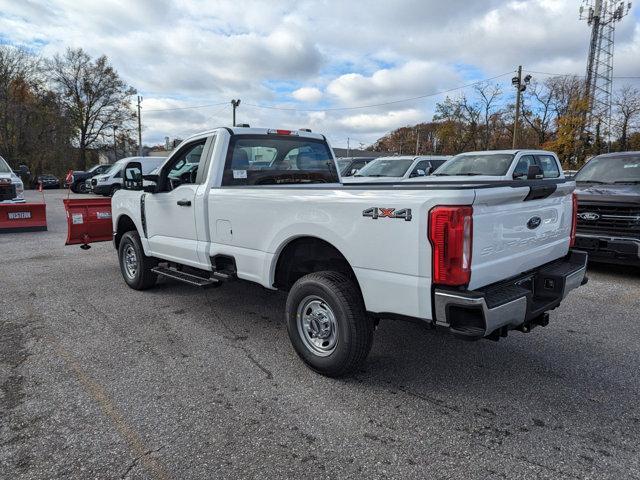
<point>327,323</point>
<point>134,264</point>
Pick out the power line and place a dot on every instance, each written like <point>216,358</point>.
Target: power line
<point>577,75</point>
<point>272,107</point>
<point>186,108</point>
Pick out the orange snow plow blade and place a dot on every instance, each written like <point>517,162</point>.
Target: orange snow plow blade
<point>88,221</point>
<point>23,217</point>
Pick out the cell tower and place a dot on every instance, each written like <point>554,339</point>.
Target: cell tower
<point>601,16</point>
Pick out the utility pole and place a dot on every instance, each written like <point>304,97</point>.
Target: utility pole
<point>521,86</point>
<point>115,145</point>
<point>417,140</point>
<point>348,147</point>
<point>235,104</point>
<point>139,127</point>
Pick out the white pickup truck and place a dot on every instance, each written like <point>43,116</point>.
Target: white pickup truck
<point>477,259</point>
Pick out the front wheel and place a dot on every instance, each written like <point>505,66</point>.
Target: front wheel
<point>81,187</point>
<point>113,190</point>
<point>327,323</point>
<point>134,264</point>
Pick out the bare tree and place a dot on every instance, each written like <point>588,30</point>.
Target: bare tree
<point>489,96</point>
<point>94,95</point>
<point>626,107</point>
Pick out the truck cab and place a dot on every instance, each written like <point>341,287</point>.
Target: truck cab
<point>502,165</point>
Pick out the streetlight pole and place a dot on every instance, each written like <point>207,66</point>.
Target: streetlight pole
<point>235,104</point>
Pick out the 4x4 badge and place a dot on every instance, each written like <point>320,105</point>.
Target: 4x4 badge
<point>379,212</point>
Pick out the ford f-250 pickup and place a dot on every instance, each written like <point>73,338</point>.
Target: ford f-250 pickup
<point>477,259</point>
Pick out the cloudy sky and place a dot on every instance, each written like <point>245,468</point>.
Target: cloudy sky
<point>314,61</point>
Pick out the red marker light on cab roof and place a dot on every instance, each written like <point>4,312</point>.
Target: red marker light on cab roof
<point>281,132</point>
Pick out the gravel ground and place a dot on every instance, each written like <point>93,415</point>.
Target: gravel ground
<point>101,381</point>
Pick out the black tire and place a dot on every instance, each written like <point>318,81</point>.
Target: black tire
<point>354,328</point>
<point>113,190</point>
<point>142,278</point>
<point>80,187</point>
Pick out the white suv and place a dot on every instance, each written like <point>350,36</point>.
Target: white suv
<point>111,180</point>
<point>11,187</point>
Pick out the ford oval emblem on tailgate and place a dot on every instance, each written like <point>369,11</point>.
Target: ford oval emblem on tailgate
<point>533,223</point>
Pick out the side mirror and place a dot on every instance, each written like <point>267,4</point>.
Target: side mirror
<point>150,183</point>
<point>534,172</point>
<point>132,178</point>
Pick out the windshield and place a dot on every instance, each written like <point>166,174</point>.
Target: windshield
<point>495,164</point>
<point>4,168</point>
<point>610,170</point>
<point>385,167</point>
<point>114,168</point>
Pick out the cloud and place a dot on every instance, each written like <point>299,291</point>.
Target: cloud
<point>411,79</point>
<point>307,94</point>
<point>375,122</point>
<point>296,54</point>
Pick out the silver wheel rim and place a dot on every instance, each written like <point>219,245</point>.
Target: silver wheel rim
<point>130,261</point>
<point>317,326</point>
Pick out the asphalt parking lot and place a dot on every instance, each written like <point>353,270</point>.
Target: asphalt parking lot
<point>100,381</point>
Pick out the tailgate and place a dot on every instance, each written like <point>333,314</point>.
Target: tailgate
<point>513,233</point>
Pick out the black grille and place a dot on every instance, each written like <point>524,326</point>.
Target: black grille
<point>613,220</point>
<point>7,191</point>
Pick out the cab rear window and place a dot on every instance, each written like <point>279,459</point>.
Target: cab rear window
<point>278,160</point>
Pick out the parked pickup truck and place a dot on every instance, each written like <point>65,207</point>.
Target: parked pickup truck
<point>503,164</point>
<point>609,208</point>
<point>476,259</point>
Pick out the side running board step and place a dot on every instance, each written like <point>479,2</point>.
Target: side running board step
<point>184,277</point>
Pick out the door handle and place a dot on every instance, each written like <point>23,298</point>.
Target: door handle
<point>184,203</point>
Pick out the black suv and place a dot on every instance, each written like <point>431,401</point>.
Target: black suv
<point>79,177</point>
<point>608,190</point>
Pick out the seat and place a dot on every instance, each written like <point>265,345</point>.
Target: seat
<point>240,160</point>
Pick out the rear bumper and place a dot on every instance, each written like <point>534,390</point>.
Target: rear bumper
<point>519,303</point>
<point>611,249</point>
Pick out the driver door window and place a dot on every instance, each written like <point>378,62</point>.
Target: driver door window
<point>522,169</point>
<point>420,169</point>
<point>184,169</point>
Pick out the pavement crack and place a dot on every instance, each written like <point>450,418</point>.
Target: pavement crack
<point>236,338</point>
<point>136,460</point>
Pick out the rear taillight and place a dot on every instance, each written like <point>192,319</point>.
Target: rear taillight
<point>450,233</point>
<point>574,219</point>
